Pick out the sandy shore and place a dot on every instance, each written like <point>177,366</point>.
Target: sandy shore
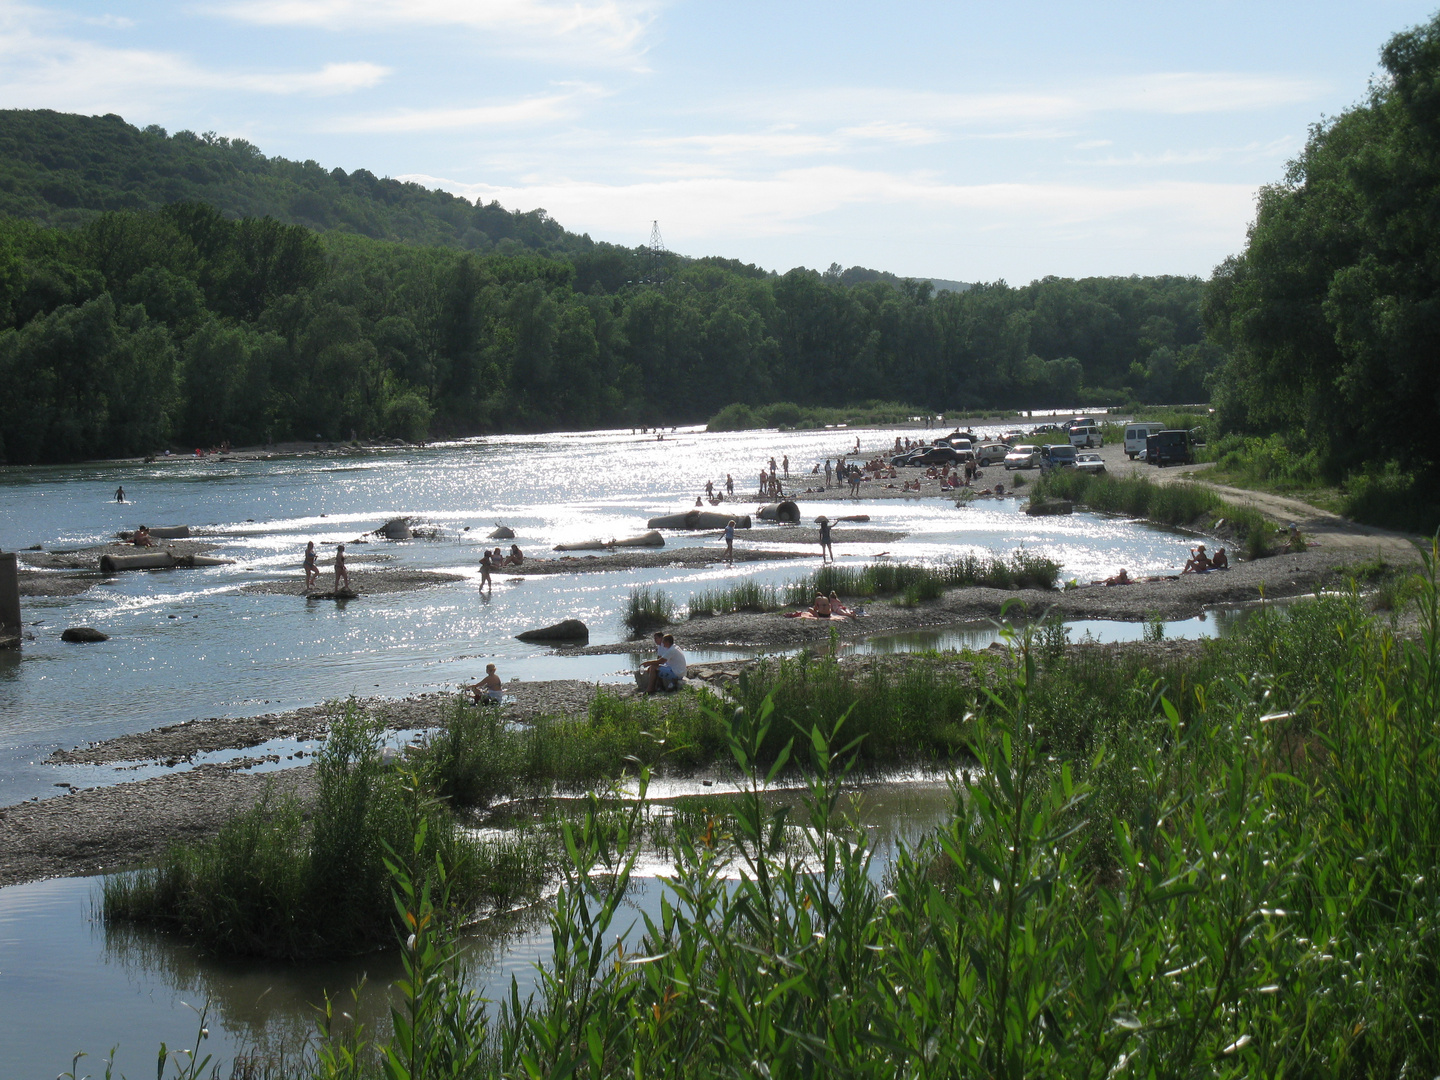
<point>362,582</point>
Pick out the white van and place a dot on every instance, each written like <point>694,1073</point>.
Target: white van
<point>1086,435</point>
<point>1136,434</point>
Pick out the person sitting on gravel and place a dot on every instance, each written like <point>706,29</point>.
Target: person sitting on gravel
<point>821,607</point>
<point>515,558</point>
<point>488,691</point>
<point>1122,578</point>
<point>142,537</point>
<point>1199,562</point>
<point>1220,561</point>
<point>1294,542</point>
<point>670,672</point>
<point>838,610</point>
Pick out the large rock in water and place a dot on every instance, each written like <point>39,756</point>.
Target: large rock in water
<point>397,529</point>
<point>83,634</point>
<point>502,532</point>
<point>568,630</point>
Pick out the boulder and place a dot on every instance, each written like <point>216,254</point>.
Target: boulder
<point>566,630</point>
<point>83,634</point>
<point>396,529</point>
<point>503,532</point>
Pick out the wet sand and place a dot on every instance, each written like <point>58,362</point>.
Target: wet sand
<point>362,583</point>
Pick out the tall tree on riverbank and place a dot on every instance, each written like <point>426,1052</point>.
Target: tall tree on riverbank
<point>1332,312</point>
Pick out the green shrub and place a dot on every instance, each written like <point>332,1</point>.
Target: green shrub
<point>647,609</point>
<point>274,884</point>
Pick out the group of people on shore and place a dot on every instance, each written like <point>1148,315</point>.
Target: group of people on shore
<point>496,560</point>
<point>667,670</point>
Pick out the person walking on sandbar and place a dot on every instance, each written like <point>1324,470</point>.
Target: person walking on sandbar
<point>730,542</point>
<point>825,544</point>
<point>312,567</point>
<point>341,573</point>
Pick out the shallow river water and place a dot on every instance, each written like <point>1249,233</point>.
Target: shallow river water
<point>189,643</point>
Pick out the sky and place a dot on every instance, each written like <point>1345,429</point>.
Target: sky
<point>961,140</point>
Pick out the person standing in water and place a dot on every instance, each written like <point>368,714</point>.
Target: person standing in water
<point>487,563</point>
<point>785,463</point>
<point>341,573</point>
<point>119,494</point>
<point>312,567</point>
<point>729,484</point>
<point>825,544</point>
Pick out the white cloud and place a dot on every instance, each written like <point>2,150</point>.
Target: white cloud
<point>1251,152</point>
<point>532,110</point>
<point>603,29</point>
<point>1165,93</point>
<point>40,69</point>
<point>699,212</point>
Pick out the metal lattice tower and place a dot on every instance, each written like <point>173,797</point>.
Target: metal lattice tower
<point>657,245</point>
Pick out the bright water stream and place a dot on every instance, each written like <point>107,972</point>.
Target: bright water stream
<point>189,643</point>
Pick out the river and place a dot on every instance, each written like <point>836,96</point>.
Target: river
<point>187,644</point>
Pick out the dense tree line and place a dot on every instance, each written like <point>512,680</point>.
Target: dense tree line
<point>1332,312</point>
<point>181,327</point>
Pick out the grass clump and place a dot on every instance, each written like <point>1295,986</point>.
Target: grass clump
<point>648,609</point>
<point>276,884</point>
<point>917,581</point>
<point>741,596</point>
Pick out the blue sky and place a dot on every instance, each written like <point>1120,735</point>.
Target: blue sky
<point>954,140</point>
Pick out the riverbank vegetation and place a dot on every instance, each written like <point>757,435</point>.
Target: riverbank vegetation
<point>290,881</point>
<point>1221,863</point>
<point>1325,316</point>
<point>1182,504</point>
<point>914,582</point>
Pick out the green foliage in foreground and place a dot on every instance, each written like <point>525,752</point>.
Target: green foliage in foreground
<point>1186,504</point>
<point>1239,880</point>
<point>274,884</point>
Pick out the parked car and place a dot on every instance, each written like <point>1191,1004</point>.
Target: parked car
<point>936,455</point>
<point>1137,433</point>
<point>1091,463</point>
<point>990,453</point>
<point>1169,448</point>
<point>909,456</point>
<point>1082,421</point>
<point>1023,456</point>
<point>1012,437</point>
<point>1041,429</point>
<point>1086,435</point>
<point>1057,456</point>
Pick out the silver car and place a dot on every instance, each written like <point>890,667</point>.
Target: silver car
<point>1023,456</point>
<point>1091,463</point>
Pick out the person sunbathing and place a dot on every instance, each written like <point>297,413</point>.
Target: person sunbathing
<point>821,607</point>
<point>1122,578</point>
<point>1220,561</point>
<point>1199,562</point>
<point>515,558</point>
<point>142,537</point>
<point>839,610</point>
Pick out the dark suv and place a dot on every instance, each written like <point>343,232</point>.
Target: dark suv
<point>1169,448</point>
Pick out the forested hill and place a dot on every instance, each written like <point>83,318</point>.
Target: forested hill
<point>61,169</point>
